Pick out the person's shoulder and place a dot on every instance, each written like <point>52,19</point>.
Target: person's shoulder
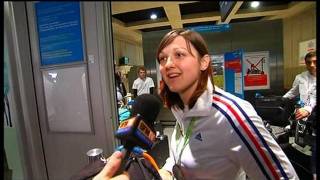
<point>137,80</point>
<point>303,74</point>
<point>231,100</point>
<point>149,79</point>
<point>225,94</point>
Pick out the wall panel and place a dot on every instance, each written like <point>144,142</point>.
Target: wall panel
<point>296,29</point>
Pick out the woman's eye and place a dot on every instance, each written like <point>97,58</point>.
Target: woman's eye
<point>162,59</point>
<point>179,55</point>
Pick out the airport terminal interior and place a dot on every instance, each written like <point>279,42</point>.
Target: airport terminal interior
<point>63,62</point>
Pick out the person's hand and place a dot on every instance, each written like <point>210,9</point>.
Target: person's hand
<point>301,113</point>
<point>165,175</point>
<point>111,167</point>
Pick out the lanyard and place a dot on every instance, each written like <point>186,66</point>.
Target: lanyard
<point>186,138</point>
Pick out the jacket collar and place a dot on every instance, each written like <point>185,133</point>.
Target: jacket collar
<point>201,108</point>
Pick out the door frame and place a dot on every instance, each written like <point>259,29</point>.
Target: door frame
<point>29,132</point>
<point>27,122</point>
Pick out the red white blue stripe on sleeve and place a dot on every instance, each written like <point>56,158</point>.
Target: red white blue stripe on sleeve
<point>249,134</point>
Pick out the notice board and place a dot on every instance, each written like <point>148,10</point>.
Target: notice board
<point>59,32</point>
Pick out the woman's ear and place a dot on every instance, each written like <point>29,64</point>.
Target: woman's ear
<point>204,62</point>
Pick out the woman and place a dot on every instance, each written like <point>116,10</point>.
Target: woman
<point>217,135</point>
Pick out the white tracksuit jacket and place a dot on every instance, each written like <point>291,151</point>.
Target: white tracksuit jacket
<point>228,141</point>
<point>304,85</point>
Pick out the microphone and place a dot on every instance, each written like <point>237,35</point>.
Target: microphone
<point>139,130</point>
<point>135,132</point>
<point>138,133</point>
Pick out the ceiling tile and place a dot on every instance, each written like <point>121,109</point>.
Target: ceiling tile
<point>155,28</point>
<point>246,19</point>
<point>246,4</point>
<point>140,15</point>
<point>199,7</point>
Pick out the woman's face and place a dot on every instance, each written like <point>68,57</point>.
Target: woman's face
<point>179,68</point>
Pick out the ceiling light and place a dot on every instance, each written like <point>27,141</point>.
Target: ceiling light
<point>255,4</point>
<point>153,16</point>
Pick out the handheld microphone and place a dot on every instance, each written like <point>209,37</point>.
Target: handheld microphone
<point>138,133</point>
<point>138,130</point>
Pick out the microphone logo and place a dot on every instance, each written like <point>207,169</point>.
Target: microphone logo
<point>136,131</point>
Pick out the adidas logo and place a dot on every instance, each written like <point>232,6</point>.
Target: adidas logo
<point>198,136</point>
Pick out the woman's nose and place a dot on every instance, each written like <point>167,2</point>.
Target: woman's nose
<point>169,62</point>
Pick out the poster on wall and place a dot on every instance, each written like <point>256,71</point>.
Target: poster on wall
<point>233,76</point>
<point>217,62</point>
<point>256,70</point>
<point>59,32</point>
<point>304,48</point>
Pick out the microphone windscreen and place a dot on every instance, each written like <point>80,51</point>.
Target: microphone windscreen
<point>148,106</point>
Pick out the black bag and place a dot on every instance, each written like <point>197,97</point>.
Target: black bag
<point>274,110</point>
<point>89,171</point>
<point>141,169</point>
<point>137,167</point>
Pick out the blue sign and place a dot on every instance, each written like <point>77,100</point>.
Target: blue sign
<point>59,29</point>
<point>233,76</point>
<point>211,28</point>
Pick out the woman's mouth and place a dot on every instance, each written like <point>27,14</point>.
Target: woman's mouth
<point>173,75</point>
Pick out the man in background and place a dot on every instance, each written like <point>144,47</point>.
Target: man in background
<point>143,84</point>
<point>305,86</point>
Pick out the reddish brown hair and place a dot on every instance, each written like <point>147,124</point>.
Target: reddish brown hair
<point>172,99</point>
<point>310,55</point>
<point>142,68</point>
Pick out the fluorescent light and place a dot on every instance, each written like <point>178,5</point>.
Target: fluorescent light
<point>153,16</point>
<point>255,4</point>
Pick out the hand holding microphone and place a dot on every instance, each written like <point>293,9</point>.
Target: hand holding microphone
<point>136,133</point>
<point>111,167</point>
